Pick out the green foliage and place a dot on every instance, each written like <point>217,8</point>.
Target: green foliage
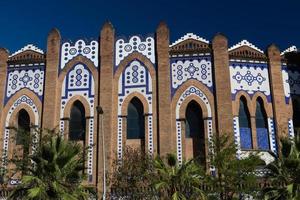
<point>134,173</point>
<point>178,182</point>
<point>233,176</point>
<point>56,173</point>
<point>285,172</point>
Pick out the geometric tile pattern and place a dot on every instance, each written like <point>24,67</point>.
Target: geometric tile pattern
<point>88,49</point>
<point>135,78</point>
<point>184,69</point>
<point>79,81</point>
<point>294,81</point>
<point>30,77</point>
<point>249,77</point>
<point>135,43</point>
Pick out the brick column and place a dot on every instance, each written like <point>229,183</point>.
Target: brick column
<point>107,40</point>
<point>280,108</point>
<point>224,116</point>
<point>165,135</point>
<point>3,73</point>
<point>50,120</point>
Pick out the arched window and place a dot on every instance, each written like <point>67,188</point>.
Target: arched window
<point>194,129</point>
<point>135,120</point>
<point>261,126</point>
<point>296,114</point>
<point>245,125</point>
<point>77,122</point>
<point>23,127</point>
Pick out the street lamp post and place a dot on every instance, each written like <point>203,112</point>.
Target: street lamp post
<point>100,112</point>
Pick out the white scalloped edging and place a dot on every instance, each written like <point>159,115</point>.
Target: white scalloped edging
<point>290,49</point>
<point>245,43</point>
<point>189,36</point>
<point>28,47</point>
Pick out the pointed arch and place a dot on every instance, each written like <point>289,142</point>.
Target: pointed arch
<point>261,122</point>
<point>195,132</point>
<point>245,124</point>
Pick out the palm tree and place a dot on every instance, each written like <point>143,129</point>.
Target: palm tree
<point>57,173</point>
<point>284,174</point>
<point>234,177</point>
<point>178,182</point>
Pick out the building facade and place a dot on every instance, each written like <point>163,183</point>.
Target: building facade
<point>147,93</point>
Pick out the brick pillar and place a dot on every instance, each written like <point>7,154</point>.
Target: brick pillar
<point>3,73</point>
<point>280,108</point>
<point>107,40</point>
<point>224,116</point>
<point>165,143</point>
<point>50,120</point>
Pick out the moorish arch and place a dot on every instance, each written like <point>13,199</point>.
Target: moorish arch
<point>22,103</point>
<point>194,133</point>
<point>135,77</point>
<point>253,123</point>
<point>198,96</point>
<point>78,83</point>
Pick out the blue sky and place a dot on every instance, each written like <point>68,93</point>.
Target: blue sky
<point>262,22</point>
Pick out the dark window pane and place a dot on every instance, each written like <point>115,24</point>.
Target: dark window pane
<point>296,112</point>
<point>263,138</point>
<point>261,126</point>
<point>77,122</point>
<point>244,115</point>
<point>246,139</point>
<point>135,120</point>
<point>194,121</point>
<point>23,127</point>
<point>245,126</point>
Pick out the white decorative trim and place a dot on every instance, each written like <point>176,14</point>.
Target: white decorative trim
<point>26,48</point>
<point>290,49</point>
<point>291,128</point>
<point>272,136</point>
<point>245,43</point>
<point>186,55</point>
<point>286,85</point>
<point>248,61</point>
<point>237,137</point>
<point>190,36</point>
<point>150,134</point>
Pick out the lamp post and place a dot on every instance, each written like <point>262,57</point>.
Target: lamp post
<point>100,112</point>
